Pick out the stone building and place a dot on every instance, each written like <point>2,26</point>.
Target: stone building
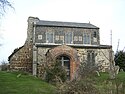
<point>71,43</point>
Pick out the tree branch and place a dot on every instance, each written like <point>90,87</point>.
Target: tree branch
<point>3,5</point>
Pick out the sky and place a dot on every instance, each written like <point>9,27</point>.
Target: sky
<point>108,15</point>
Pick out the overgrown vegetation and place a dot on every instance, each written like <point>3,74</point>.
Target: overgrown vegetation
<point>95,85</point>
<point>84,83</point>
<point>89,81</point>
<point>55,73</point>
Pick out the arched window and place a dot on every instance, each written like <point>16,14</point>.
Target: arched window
<point>65,62</point>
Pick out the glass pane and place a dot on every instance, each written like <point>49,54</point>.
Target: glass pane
<point>67,64</point>
<point>95,35</point>
<point>50,37</point>
<point>88,59</point>
<point>86,38</point>
<point>65,61</point>
<point>68,37</point>
<point>65,58</point>
<point>93,58</point>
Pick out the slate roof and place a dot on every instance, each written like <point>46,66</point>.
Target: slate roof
<point>66,24</point>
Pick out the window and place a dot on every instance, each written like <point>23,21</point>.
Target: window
<point>75,38</point>
<point>90,58</point>
<point>94,35</point>
<point>93,57</point>
<point>40,37</point>
<point>65,62</point>
<point>50,37</point>
<point>80,38</point>
<point>57,37</point>
<point>61,37</point>
<point>68,37</point>
<point>86,38</point>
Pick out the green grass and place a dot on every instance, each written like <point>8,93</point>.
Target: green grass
<point>10,83</point>
<point>14,83</point>
<point>106,85</point>
<point>105,77</point>
<point>121,77</point>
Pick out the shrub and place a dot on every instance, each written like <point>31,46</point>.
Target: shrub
<point>55,73</point>
<point>84,84</point>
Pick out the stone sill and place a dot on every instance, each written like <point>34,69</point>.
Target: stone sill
<point>74,45</point>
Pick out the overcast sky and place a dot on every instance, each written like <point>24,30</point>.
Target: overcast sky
<point>108,15</point>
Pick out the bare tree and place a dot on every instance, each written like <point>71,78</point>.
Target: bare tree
<point>4,4</point>
<point>4,66</point>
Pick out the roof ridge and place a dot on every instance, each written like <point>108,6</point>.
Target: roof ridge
<point>65,24</point>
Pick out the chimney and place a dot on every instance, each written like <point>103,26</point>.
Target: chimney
<point>30,28</point>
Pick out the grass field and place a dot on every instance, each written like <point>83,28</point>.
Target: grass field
<point>111,86</point>
<point>105,77</point>
<point>20,83</point>
<point>15,83</point>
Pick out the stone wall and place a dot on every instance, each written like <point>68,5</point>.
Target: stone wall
<point>32,57</point>
<point>101,57</point>
<point>60,33</point>
<point>21,59</point>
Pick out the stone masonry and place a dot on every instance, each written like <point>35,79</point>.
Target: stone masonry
<point>72,42</point>
<point>21,59</point>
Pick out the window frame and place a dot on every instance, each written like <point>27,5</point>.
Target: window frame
<point>86,38</point>
<point>48,39</point>
<point>40,37</point>
<point>68,37</point>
